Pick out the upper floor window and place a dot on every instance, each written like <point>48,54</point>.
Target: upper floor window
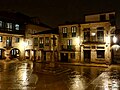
<point>9,41</point>
<point>102,17</point>
<point>41,42</point>
<point>74,30</point>
<point>17,40</point>
<point>100,34</point>
<point>35,41</point>
<point>9,26</point>
<point>86,34</point>
<point>112,19</point>
<point>64,31</point>
<point>69,42</point>
<point>1,23</point>
<point>0,38</point>
<point>17,27</point>
<point>47,42</point>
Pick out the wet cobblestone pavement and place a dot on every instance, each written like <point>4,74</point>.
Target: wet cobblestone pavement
<point>22,76</point>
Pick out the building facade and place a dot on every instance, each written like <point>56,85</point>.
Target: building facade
<point>88,42</point>
<point>11,36</point>
<point>45,47</point>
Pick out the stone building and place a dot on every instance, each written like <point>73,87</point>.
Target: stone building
<point>32,27</point>
<point>12,35</point>
<point>88,42</point>
<point>45,46</point>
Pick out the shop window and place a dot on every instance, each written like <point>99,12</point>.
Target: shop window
<point>72,55</point>
<point>100,54</point>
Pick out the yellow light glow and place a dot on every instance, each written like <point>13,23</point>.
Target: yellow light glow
<point>107,39</point>
<point>77,40</point>
<point>24,44</point>
<point>114,39</point>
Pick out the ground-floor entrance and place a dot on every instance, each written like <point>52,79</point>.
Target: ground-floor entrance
<point>64,57</point>
<point>87,56</point>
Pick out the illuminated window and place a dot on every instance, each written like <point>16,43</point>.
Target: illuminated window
<point>0,38</point>
<point>47,42</point>
<point>100,53</point>
<point>64,31</point>
<point>9,26</point>
<point>17,27</point>
<point>0,23</point>
<point>74,30</point>
<point>69,44</point>
<point>41,42</point>
<point>17,40</point>
<point>9,41</point>
<point>35,41</point>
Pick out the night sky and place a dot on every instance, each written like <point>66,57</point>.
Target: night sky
<point>54,12</point>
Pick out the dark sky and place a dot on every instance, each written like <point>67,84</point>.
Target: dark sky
<point>54,12</point>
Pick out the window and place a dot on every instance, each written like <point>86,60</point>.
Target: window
<point>0,23</point>
<point>41,42</point>
<point>17,40</point>
<point>47,42</point>
<point>64,31</point>
<point>35,41</point>
<point>102,18</point>
<point>9,42</point>
<point>112,19</point>
<point>74,30</point>
<point>86,34</point>
<point>69,44</point>
<point>72,55</point>
<point>9,26</point>
<point>0,38</point>
<point>100,53</point>
<point>100,34</point>
<point>17,27</point>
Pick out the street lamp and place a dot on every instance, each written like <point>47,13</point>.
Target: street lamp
<point>114,39</point>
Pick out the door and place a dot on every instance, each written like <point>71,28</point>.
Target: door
<point>64,57</point>
<point>87,56</point>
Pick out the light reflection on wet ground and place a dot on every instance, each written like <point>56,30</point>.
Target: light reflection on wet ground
<point>21,76</point>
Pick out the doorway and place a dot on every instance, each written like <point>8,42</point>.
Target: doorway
<point>87,56</point>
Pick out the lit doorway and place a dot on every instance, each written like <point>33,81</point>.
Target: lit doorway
<point>14,53</point>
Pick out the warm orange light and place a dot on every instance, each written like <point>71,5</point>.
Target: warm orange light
<point>114,39</point>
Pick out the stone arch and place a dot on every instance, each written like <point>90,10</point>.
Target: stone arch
<point>14,53</point>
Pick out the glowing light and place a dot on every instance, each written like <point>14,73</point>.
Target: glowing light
<point>93,34</point>
<point>77,40</point>
<point>114,39</point>
<point>107,39</point>
<point>24,44</point>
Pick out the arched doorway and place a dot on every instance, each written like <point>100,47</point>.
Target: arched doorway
<point>14,53</point>
<point>2,54</point>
